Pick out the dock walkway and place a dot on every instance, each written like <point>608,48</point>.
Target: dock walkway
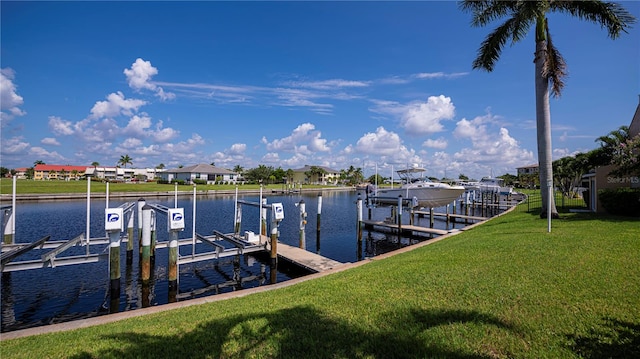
<point>306,259</point>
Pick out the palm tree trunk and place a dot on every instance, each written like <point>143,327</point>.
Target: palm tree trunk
<point>543,126</point>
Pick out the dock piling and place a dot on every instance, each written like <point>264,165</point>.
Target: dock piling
<point>303,223</point>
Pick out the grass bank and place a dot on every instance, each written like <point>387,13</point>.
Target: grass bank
<point>57,187</point>
<point>505,289</point>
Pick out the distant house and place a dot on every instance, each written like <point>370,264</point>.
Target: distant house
<point>528,170</point>
<point>58,172</point>
<point>330,176</point>
<point>123,174</point>
<point>601,177</point>
<point>209,173</point>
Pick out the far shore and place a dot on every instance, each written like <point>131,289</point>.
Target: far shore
<point>36,197</point>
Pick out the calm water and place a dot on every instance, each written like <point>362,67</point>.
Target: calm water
<point>51,295</point>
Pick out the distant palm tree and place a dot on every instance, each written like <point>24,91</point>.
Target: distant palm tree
<point>549,64</point>
<point>38,162</point>
<point>95,164</point>
<point>124,160</point>
<point>160,166</point>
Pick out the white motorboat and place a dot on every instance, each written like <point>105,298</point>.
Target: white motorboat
<point>488,184</point>
<point>421,191</point>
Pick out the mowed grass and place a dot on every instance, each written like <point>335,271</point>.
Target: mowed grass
<point>505,289</point>
<point>56,187</point>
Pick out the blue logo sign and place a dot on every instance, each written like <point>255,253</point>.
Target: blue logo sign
<point>176,217</point>
<point>113,217</point>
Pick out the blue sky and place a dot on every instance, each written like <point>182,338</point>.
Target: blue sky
<point>286,84</point>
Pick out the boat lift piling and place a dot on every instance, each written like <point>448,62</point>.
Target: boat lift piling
<point>303,222</point>
<point>114,226</point>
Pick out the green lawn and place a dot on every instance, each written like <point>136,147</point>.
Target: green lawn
<point>505,289</point>
<point>55,186</point>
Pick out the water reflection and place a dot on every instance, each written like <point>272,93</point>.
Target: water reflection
<point>50,295</point>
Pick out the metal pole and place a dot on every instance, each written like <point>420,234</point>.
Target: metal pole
<point>260,213</point>
<point>88,228</point>
<point>237,212</point>
<point>193,224</point>
<point>146,243</point>
<point>399,214</point>
<point>274,240</point>
<point>106,202</point>
<point>359,224</point>
<point>549,194</point>
<point>13,210</point>
<point>175,195</point>
<point>130,238</point>
<point>141,204</point>
<point>263,214</point>
<point>319,213</point>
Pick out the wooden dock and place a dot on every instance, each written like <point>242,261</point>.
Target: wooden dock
<point>451,215</point>
<point>306,259</point>
<point>406,227</point>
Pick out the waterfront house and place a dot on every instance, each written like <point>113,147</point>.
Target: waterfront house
<point>329,177</point>
<point>203,172</point>
<point>58,172</point>
<point>601,177</point>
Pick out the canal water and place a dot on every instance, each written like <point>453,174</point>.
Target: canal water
<point>52,295</point>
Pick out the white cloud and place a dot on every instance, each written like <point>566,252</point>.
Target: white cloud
<point>385,144</point>
<point>440,143</point>
<point>304,139</point>
<point>424,118</point>
<point>162,135</point>
<point>131,143</point>
<point>331,84</point>
<point>116,105</point>
<point>14,145</point>
<point>50,141</point>
<point>270,157</point>
<point>139,77</point>
<point>237,149</point>
<point>45,155</point>
<point>418,117</point>
<point>487,146</point>
<point>60,127</point>
<point>137,125</point>
<point>9,98</point>
<point>438,75</point>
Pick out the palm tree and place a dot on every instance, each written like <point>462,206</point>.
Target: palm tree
<point>124,160</point>
<point>549,64</point>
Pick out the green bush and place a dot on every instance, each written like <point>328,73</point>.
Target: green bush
<point>621,201</point>
<point>199,181</point>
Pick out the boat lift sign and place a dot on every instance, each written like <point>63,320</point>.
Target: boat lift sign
<point>175,216</point>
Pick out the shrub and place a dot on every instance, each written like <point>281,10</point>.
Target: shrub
<point>621,201</point>
<point>199,181</point>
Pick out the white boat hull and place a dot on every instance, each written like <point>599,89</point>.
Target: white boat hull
<point>430,195</point>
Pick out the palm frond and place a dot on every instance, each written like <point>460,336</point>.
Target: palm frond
<point>491,47</point>
<point>554,67</point>
<point>486,11</point>
<point>610,15</point>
